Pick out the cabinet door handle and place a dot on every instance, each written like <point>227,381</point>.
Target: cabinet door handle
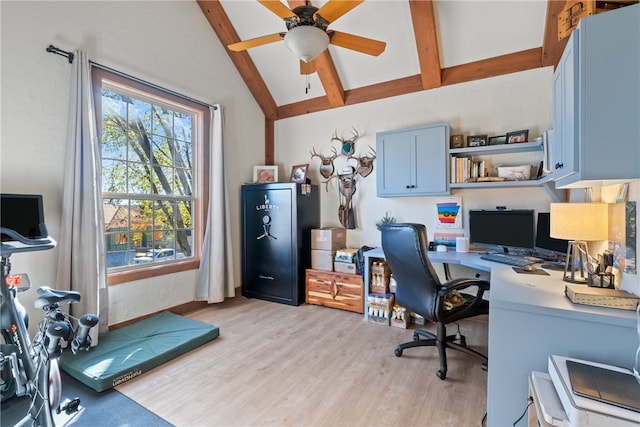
<point>559,165</point>
<point>410,186</point>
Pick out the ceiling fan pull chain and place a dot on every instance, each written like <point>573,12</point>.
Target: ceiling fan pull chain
<point>308,86</point>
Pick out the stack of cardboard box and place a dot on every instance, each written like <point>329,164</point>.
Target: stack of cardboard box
<point>324,244</point>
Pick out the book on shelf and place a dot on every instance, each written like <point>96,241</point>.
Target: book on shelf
<point>602,297</point>
<point>465,169</point>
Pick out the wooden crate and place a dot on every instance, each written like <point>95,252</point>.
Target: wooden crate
<point>336,290</point>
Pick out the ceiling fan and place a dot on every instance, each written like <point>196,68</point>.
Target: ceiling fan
<point>307,34</point>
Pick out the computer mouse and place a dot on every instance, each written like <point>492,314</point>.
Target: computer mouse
<point>530,267</point>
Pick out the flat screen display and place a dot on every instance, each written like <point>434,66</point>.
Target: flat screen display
<point>543,238</point>
<point>22,213</point>
<point>502,228</point>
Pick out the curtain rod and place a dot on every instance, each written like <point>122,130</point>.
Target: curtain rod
<point>52,49</point>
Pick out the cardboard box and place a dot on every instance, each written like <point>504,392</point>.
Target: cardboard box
<point>346,255</point>
<point>328,239</point>
<point>345,267</point>
<point>322,260</point>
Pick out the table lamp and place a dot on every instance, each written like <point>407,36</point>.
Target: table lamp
<point>579,223</point>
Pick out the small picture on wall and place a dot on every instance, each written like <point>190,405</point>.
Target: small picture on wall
<point>517,136</point>
<point>477,141</point>
<point>262,174</point>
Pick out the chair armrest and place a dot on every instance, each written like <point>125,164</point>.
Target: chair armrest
<point>463,283</point>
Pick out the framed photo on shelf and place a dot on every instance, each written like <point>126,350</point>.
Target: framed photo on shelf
<point>517,136</point>
<point>457,141</point>
<point>497,140</point>
<point>262,174</point>
<point>299,173</point>
<point>477,140</point>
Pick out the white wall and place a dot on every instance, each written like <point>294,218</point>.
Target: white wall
<point>167,43</point>
<point>491,106</point>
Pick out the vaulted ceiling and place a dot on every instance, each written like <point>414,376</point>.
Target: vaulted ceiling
<point>429,44</point>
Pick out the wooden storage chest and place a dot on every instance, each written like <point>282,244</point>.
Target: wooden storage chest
<point>335,290</point>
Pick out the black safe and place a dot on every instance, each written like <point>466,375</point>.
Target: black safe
<point>277,219</point>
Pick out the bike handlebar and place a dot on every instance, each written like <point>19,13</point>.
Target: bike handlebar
<point>20,243</point>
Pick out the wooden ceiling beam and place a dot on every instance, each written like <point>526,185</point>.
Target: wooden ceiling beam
<point>219,21</point>
<point>552,48</point>
<point>426,35</point>
<point>492,67</point>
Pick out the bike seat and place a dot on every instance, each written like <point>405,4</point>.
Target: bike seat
<point>48,296</point>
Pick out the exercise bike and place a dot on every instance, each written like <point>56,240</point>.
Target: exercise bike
<point>30,368</point>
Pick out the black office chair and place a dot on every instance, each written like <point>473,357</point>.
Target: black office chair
<point>418,289</point>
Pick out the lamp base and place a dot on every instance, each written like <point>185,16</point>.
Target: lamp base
<point>577,256</point>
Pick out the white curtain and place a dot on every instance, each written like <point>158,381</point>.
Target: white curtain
<point>215,276</point>
<point>81,245</point>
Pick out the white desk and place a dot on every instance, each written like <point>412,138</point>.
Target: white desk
<point>531,318</point>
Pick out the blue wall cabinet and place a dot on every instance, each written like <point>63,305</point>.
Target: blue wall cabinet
<point>413,162</point>
<point>597,102</point>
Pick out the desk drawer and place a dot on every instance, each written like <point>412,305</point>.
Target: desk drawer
<point>335,290</point>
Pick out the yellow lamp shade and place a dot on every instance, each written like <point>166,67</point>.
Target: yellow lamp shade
<point>580,221</point>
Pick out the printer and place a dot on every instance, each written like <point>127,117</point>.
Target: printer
<point>557,404</point>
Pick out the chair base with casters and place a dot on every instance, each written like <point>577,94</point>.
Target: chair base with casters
<point>422,338</point>
<point>418,289</point>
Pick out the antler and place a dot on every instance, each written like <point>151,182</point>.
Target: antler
<point>325,159</point>
<point>315,154</point>
<point>335,137</point>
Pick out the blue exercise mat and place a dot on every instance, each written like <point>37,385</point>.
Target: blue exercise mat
<point>130,351</point>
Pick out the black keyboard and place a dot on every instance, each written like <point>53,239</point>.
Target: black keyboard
<point>514,260</point>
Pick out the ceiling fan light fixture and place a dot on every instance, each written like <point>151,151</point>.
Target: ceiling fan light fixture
<point>306,41</point>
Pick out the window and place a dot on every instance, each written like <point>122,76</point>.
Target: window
<point>153,152</point>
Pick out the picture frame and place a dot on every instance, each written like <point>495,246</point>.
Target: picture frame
<point>477,140</point>
<point>263,174</point>
<point>498,140</point>
<point>299,173</point>
<point>457,141</point>
<point>517,136</point>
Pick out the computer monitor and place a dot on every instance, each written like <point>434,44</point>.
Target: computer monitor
<point>502,228</point>
<point>24,214</point>
<point>543,239</point>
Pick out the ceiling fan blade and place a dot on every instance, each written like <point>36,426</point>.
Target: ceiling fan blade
<point>334,9</point>
<point>358,43</point>
<point>278,8</point>
<point>307,67</point>
<point>258,41</point>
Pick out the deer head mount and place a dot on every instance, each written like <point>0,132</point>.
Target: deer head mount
<point>365,163</point>
<point>347,146</point>
<point>347,177</point>
<point>326,167</point>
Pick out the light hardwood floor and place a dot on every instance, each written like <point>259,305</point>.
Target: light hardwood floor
<point>278,365</point>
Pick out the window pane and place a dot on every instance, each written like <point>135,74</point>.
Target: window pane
<point>163,216</point>
<point>162,123</point>
<point>139,181</point>
<point>114,176</point>
<point>162,151</point>
<point>140,116</point>
<point>183,126</point>
<point>162,180</point>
